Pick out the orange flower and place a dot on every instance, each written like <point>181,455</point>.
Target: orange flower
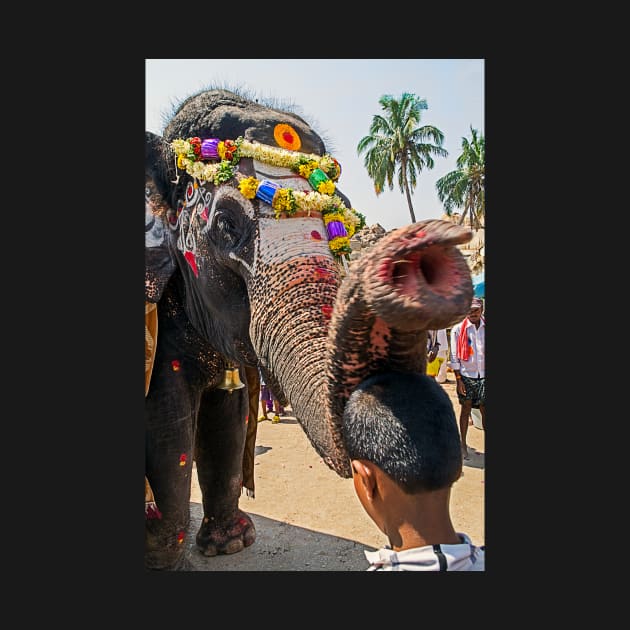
<point>287,137</point>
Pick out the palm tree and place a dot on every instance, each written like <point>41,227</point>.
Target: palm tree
<point>397,142</point>
<point>465,187</point>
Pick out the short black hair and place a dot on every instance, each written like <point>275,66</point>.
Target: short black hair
<point>404,423</point>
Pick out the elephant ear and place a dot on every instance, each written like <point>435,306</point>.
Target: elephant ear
<point>159,263</point>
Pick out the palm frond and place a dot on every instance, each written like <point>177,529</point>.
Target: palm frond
<point>464,188</point>
<point>397,148</point>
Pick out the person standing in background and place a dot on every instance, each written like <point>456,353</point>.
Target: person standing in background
<point>468,362</point>
<point>437,352</point>
<point>266,400</point>
<point>269,402</point>
<point>442,339</point>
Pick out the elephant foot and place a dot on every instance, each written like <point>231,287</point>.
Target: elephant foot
<point>168,560</point>
<point>238,534</point>
<point>182,563</point>
<point>159,554</point>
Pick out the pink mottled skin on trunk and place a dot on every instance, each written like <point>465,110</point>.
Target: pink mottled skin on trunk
<point>317,274</point>
<point>378,333</point>
<point>379,348</point>
<point>421,254</point>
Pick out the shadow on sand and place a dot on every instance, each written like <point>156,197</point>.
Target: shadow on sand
<point>279,547</point>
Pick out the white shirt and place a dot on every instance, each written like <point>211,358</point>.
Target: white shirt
<point>441,337</point>
<point>475,367</point>
<point>443,341</point>
<point>461,557</point>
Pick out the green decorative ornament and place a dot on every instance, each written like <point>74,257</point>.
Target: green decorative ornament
<point>317,177</point>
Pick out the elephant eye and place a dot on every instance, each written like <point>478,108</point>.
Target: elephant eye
<point>230,227</point>
<point>226,227</point>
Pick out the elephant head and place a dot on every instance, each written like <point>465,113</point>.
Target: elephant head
<point>247,230</point>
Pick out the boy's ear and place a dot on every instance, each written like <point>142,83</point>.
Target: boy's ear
<point>365,471</point>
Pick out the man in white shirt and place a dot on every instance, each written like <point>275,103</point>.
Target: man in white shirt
<point>468,362</point>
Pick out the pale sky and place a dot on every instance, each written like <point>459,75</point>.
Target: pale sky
<point>339,98</point>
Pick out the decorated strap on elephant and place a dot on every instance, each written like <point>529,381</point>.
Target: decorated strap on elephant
<point>246,234</point>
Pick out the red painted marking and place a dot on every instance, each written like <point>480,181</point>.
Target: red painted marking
<point>190,257</point>
<point>321,272</point>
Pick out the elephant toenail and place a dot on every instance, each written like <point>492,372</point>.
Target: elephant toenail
<point>234,546</point>
<point>210,551</point>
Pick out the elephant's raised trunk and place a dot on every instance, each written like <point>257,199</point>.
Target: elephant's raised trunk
<point>413,280</point>
<point>320,343</point>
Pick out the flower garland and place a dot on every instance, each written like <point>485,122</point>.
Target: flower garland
<point>341,222</point>
<point>321,172</point>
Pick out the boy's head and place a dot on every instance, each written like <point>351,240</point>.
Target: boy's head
<point>405,424</point>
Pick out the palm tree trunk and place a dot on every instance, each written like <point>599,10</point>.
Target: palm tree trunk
<point>403,167</point>
<point>413,216</point>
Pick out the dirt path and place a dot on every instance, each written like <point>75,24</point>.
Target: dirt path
<point>309,519</point>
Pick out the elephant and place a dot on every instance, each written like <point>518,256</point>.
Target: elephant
<point>247,237</point>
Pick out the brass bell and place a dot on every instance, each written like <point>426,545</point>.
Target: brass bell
<point>231,380</point>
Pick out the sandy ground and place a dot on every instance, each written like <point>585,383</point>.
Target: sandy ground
<point>308,518</point>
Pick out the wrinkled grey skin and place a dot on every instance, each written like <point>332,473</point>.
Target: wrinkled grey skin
<point>264,294</point>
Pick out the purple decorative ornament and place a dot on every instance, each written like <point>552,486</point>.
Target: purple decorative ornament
<point>266,191</point>
<point>209,149</point>
<point>335,229</point>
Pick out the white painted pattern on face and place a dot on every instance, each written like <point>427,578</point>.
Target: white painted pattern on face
<point>245,264</point>
<point>281,175</point>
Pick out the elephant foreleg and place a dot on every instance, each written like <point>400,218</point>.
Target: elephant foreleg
<point>169,458</point>
<point>219,444</point>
